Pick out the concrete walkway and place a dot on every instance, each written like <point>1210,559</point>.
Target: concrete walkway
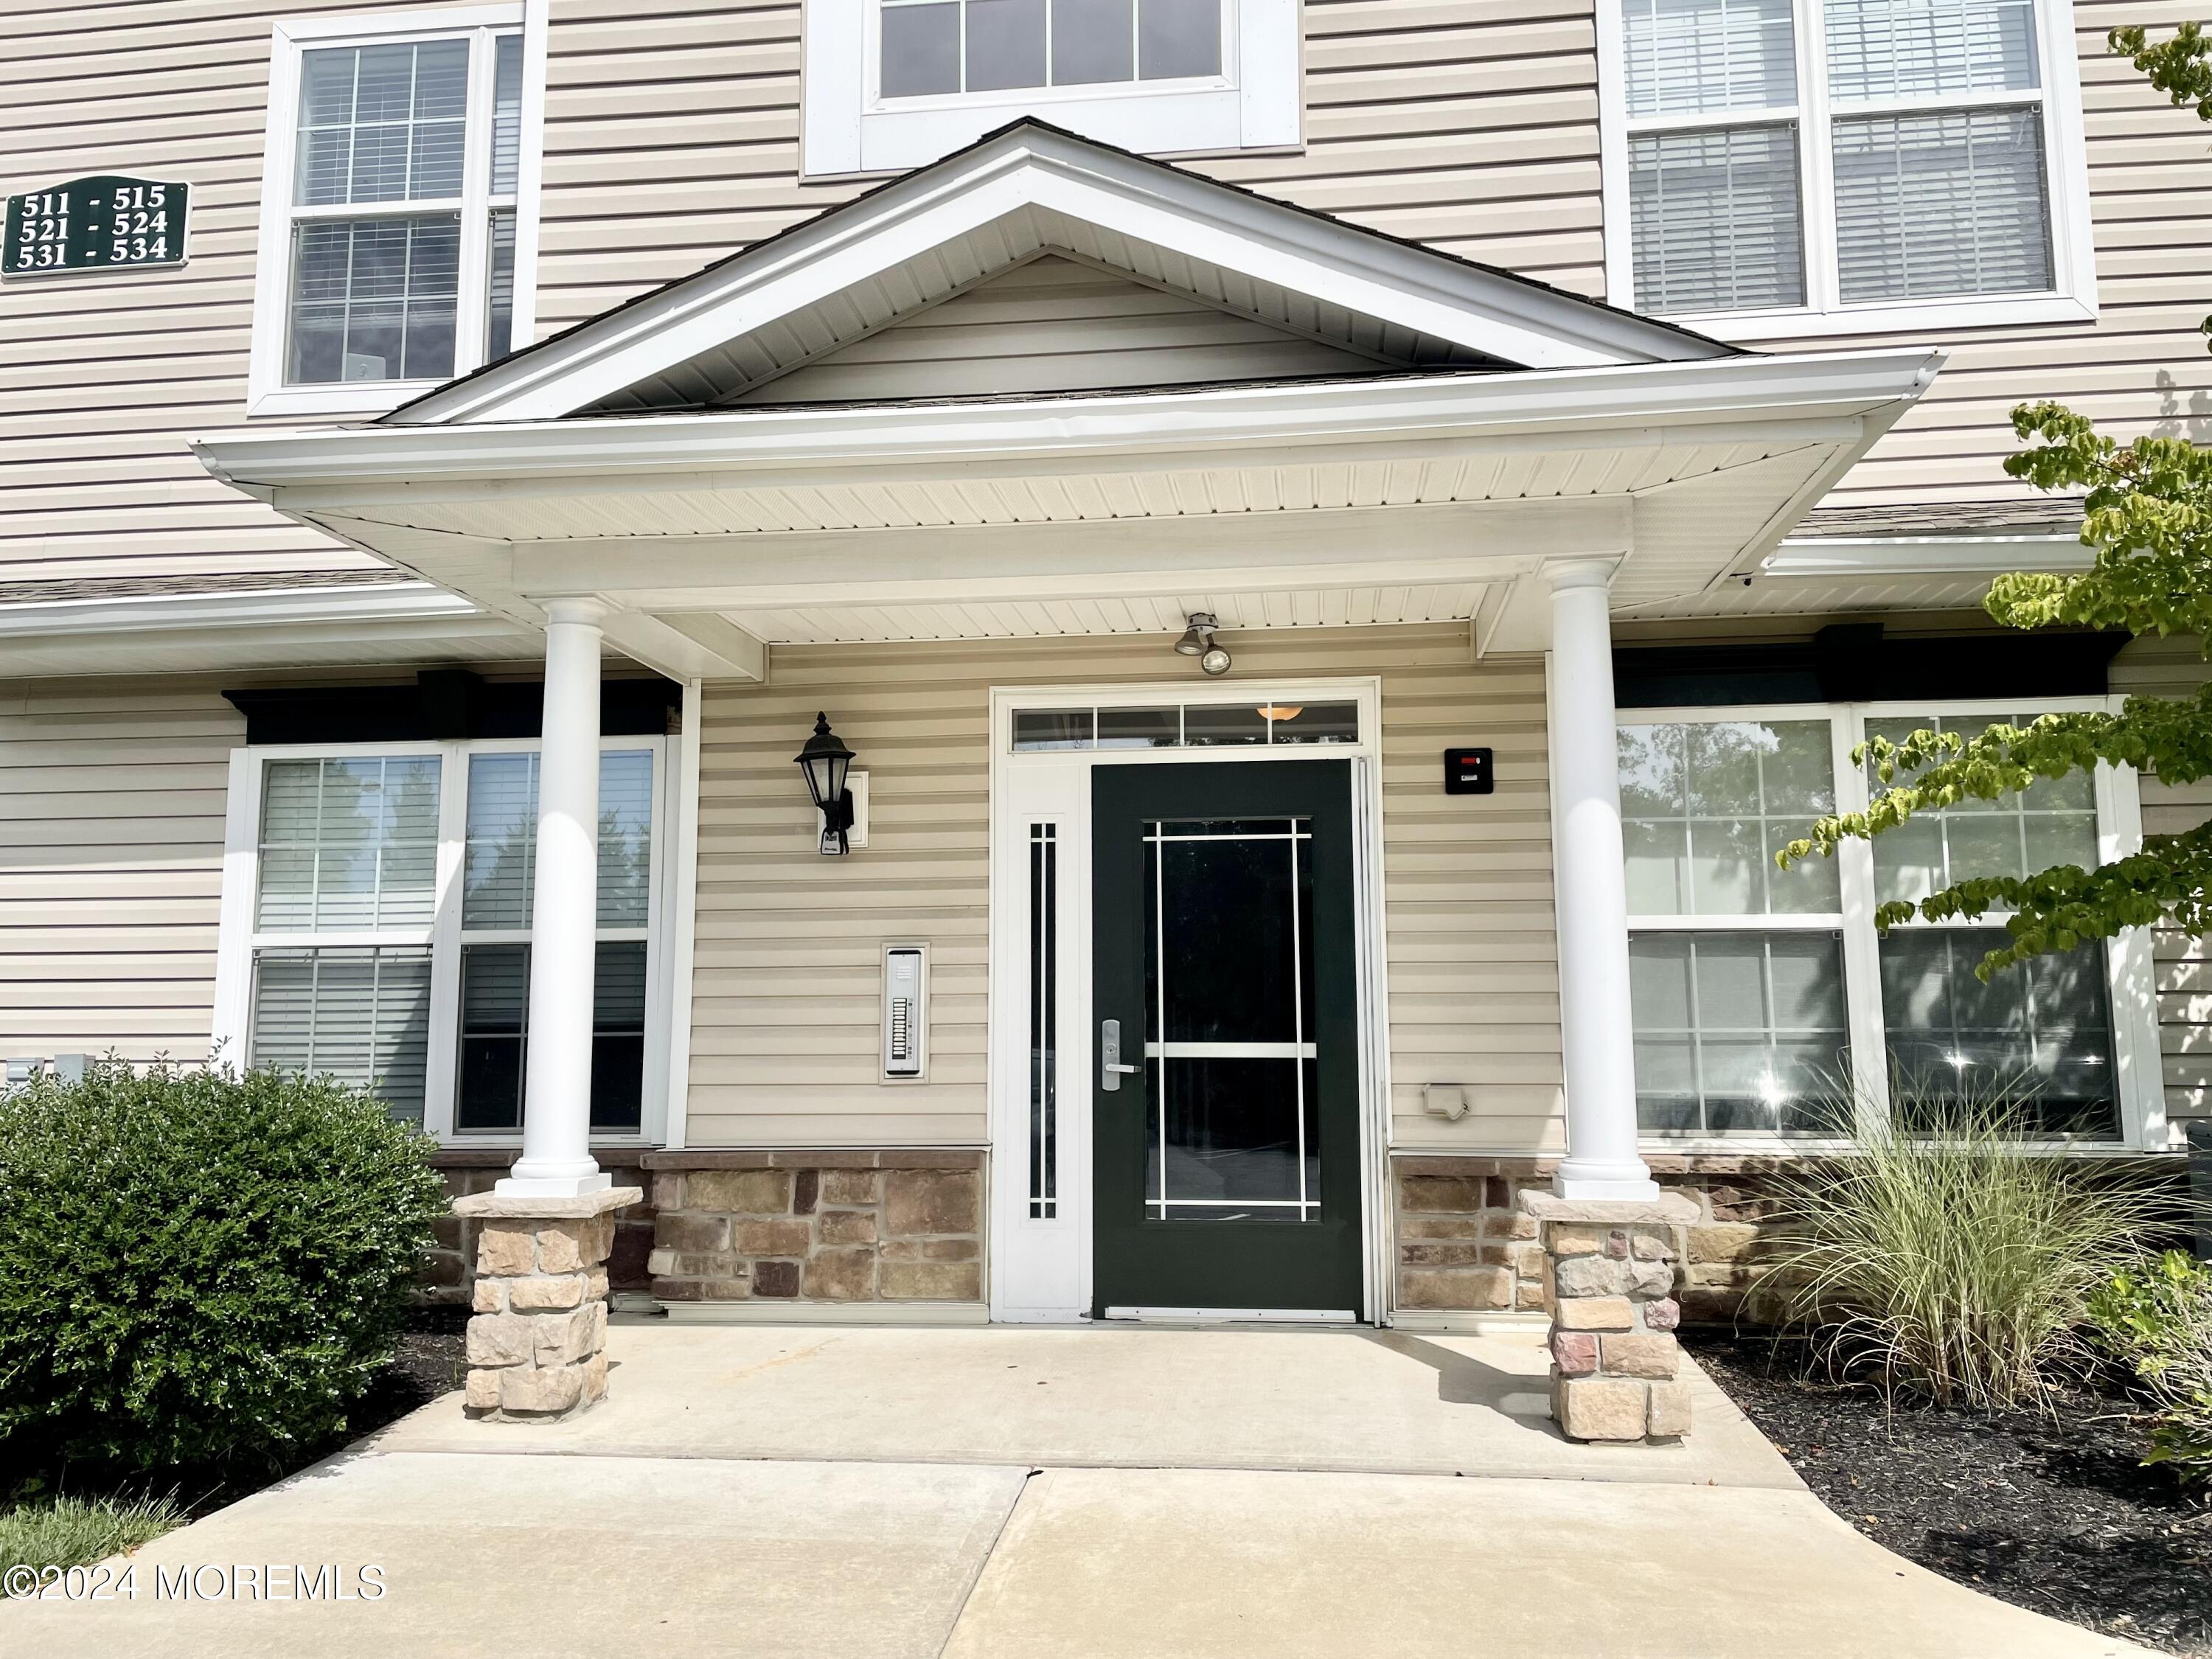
<point>1000,1493</point>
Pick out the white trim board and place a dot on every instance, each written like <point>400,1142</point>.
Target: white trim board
<point>1924,555</point>
<point>1037,168</point>
<point>401,600</point>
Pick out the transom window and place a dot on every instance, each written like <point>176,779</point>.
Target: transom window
<point>938,48</point>
<point>393,191</point>
<point>1818,155</point>
<point>391,928</point>
<point>1275,722</point>
<point>1764,1001</point>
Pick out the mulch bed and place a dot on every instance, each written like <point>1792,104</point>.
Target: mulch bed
<point>2055,1513</point>
<point>432,1360</point>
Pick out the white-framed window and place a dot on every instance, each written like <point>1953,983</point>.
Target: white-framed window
<point>1764,999</point>
<point>1785,168</point>
<point>377,926</point>
<point>892,84</point>
<point>399,203</point>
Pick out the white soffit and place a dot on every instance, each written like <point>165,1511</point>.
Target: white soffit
<point>1328,607</point>
<point>914,242</point>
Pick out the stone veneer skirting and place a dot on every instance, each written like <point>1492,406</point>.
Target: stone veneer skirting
<point>1465,1244</point>
<point>449,1276</point>
<point>817,1226</point>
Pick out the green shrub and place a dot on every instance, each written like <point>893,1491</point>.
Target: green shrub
<point>2157,1320</point>
<point>1948,1259</point>
<point>198,1266</point>
<point>75,1532</point>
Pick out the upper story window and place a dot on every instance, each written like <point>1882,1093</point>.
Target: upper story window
<point>1790,166</point>
<point>392,230</point>
<point>892,84</point>
<point>942,46</point>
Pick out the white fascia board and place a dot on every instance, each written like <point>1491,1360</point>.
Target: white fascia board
<point>1519,322</point>
<point>1830,556</point>
<point>409,601</point>
<point>317,468</point>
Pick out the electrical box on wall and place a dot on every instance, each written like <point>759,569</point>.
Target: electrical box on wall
<point>905,1010</point>
<point>856,833</point>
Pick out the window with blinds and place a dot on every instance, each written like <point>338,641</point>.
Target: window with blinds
<point>391,917</point>
<point>406,164</point>
<point>499,863</point>
<point>1786,156</point>
<point>345,907</point>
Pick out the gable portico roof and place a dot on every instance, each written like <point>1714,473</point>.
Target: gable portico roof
<point>641,459</point>
<point>1030,187</point>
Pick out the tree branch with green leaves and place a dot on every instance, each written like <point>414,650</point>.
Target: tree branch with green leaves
<point>2147,514</point>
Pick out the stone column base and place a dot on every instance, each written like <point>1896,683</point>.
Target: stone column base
<point>537,1343</point>
<point>1609,1271</point>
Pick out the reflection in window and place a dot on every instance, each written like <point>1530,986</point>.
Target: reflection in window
<point>1739,1031</point>
<point>2039,1035</point>
<point>496,1032</point>
<point>348,845</point>
<point>2054,821</point>
<point>380,269</point>
<point>500,860</point>
<point>1705,805</point>
<point>936,47</point>
<point>1190,726</point>
<point>1231,1059</point>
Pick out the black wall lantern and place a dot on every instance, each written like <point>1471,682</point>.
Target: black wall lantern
<point>825,760</point>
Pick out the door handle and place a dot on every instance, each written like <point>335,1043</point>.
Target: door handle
<point>1110,1068</point>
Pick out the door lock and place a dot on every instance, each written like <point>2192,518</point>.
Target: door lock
<point>1110,1068</point>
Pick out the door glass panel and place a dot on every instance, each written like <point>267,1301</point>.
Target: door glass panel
<point>1230,1021</point>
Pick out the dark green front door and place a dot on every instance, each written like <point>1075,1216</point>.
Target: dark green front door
<point>1227,1155</point>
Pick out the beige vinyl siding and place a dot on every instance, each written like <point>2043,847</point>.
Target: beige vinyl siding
<point>2174,668</point>
<point>2142,365</point>
<point>111,864</point>
<point>1054,325</point>
<point>673,137</point>
<point>103,378</point>
<point>787,984</point>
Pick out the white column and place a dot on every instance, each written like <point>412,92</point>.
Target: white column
<point>1591,895</point>
<point>556,1098</point>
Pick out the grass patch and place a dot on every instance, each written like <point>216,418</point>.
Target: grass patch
<point>75,1532</point>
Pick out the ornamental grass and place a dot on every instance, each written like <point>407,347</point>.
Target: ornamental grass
<point>1949,1256</point>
